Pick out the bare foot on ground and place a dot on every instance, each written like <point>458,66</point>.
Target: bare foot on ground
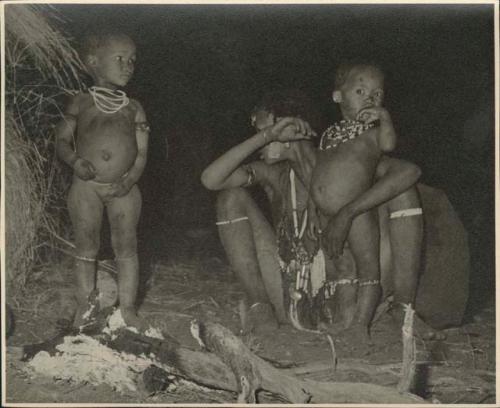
<point>132,319</point>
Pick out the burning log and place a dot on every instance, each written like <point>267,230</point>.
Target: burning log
<point>229,365</point>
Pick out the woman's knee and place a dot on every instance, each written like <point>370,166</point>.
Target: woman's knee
<point>408,199</point>
<point>232,201</point>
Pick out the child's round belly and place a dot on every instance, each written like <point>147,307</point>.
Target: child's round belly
<point>111,161</point>
<point>338,179</point>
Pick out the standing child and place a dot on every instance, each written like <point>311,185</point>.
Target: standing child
<point>349,154</point>
<point>104,139</point>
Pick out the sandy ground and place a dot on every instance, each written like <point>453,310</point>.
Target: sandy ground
<point>193,280</point>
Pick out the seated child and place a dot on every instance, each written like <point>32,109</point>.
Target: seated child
<point>349,154</point>
<point>103,137</point>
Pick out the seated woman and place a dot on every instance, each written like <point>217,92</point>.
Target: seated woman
<point>252,243</point>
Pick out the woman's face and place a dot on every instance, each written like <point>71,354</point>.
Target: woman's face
<point>272,152</point>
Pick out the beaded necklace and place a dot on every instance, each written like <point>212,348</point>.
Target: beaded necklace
<point>108,100</point>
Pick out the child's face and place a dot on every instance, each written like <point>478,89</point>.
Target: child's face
<point>364,88</point>
<point>272,152</point>
<point>113,64</point>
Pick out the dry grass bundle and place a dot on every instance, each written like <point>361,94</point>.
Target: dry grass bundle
<point>24,203</point>
<point>31,40</point>
<point>40,66</point>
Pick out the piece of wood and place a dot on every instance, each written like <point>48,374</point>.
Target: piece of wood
<point>201,367</point>
<point>406,381</point>
<point>249,368</point>
<point>232,367</point>
<point>261,375</point>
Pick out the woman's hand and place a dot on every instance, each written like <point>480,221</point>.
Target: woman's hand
<point>289,129</point>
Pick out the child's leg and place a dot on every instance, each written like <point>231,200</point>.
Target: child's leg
<point>123,213</point>
<point>346,289</point>
<point>250,245</point>
<point>364,244</point>
<point>85,210</point>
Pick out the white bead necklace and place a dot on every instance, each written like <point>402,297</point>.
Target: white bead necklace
<point>108,100</point>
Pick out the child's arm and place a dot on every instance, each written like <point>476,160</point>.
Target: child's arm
<point>393,178</point>
<point>64,132</point>
<point>135,172</point>
<point>387,135</point>
<point>225,172</point>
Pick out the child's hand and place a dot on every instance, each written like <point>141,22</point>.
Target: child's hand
<point>369,115</point>
<point>118,189</point>
<point>336,233</point>
<point>84,169</point>
<point>289,129</point>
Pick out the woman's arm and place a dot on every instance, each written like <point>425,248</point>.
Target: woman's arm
<point>393,177</point>
<point>225,172</point>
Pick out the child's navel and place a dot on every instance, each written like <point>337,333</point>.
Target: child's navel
<point>106,155</point>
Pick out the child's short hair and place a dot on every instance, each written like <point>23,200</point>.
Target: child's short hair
<point>345,68</point>
<point>96,39</point>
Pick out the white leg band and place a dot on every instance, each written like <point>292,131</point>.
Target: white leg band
<point>85,259</point>
<point>231,221</point>
<point>409,212</point>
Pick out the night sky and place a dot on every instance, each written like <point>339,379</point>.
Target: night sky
<point>201,69</point>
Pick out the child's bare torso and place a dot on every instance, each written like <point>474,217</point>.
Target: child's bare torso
<point>344,172</point>
<point>108,141</point>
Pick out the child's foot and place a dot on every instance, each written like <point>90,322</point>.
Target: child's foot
<point>80,315</point>
<point>131,319</point>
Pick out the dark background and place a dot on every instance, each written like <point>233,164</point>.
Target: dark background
<point>201,69</point>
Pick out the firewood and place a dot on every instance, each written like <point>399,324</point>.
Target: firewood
<point>260,375</point>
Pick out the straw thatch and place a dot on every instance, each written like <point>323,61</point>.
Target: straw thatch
<point>23,203</point>
<point>31,39</point>
<point>40,66</point>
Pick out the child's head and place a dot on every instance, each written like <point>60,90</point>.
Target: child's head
<point>358,86</point>
<point>109,58</point>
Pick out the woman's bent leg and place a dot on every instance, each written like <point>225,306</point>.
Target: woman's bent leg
<point>402,218</point>
<point>406,229</point>
<point>250,245</point>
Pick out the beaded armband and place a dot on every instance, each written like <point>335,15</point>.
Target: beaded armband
<point>251,175</point>
<point>142,127</point>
